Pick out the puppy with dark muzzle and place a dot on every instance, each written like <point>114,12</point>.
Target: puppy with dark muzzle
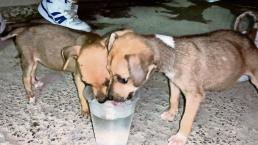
<point>192,64</point>
<point>59,48</point>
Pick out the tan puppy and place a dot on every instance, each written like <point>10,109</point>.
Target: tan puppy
<point>60,48</point>
<point>193,64</point>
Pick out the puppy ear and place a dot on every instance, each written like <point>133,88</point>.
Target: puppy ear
<point>150,70</point>
<point>123,32</point>
<point>109,43</point>
<point>111,40</point>
<point>69,53</point>
<point>140,68</point>
<point>240,21</point>
<point>136,69</point>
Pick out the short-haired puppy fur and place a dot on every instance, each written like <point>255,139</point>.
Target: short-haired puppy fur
<point>192,64</point>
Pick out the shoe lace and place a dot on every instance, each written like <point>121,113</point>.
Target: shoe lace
<point>72,5</point>
<point>71,13</point>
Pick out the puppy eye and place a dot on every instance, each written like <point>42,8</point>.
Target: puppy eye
<point>87,84</point>
<point>107,82</point>
<point>122,80</point>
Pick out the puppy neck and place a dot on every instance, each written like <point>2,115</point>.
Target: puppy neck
<point>164,51</point>
<point>168,40</point>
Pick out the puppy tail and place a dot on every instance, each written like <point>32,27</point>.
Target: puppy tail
<point>13,33</point>
<point>240,18</point>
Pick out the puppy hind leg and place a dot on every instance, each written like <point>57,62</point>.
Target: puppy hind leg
<point>170,114</point>
<point>35,81</point>
<point>80,87</point>
<point>27,68</point>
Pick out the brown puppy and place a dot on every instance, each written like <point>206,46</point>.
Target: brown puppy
<point>193,64</point>
<point>60,48</point>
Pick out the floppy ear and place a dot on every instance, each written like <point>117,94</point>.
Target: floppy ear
<point>136,69</point>
<point>139,71</point>
<point>68,53</point>
<point>109,43</point>
<point>122,32</point>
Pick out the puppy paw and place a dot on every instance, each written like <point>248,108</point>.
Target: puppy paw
<point>38,84</point>
<point>32,100</point>
<point>168,116</point>
<point>178,139</point>
<point>85,114</point>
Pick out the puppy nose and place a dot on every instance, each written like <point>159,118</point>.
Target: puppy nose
<point>130,96</point>
<point>101,99</point>
<point>110,95</point>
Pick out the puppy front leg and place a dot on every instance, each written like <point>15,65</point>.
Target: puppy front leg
<point>170,114</point>
<point>28,88</point>
<point>80,87</point>
<point>193,101</point>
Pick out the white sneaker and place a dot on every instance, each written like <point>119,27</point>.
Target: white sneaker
<point>62,12</point>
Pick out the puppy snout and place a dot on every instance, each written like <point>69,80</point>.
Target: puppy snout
<point>110,95</point>
<point>101,99</point>
<point>119,99</point>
